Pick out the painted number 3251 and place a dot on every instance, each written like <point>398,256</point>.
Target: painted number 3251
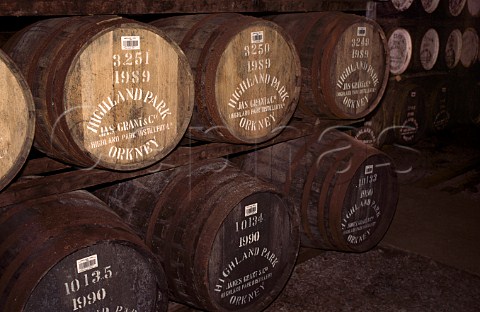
<point>130,59</point>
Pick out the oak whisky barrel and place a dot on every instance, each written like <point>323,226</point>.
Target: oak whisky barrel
<point>70,252</point>
<point>430,6</point>
<point>400,47</point>
<point>345,62</point>
<point>466,92</point>
<point>404,110</point>
<point>247,75</point>
<point>345,191</point>
<point>470,47</point>
<point>473,7</point>
<point>438,104</point>
<point>413,47</point>
<point>17,120</point>
<point>109,92</point>
<point>451,47</point>
<point>400,118</point>
<point>228,242</point>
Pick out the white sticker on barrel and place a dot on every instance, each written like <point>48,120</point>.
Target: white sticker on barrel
<point>130,42</point>
<point>251,209</point>
<point>87,263</point>
<point>361,31</point>
<point>369,169</point>
<point>257,36</point>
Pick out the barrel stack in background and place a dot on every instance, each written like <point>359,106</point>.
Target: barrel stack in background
<point>227,240</point>
<point>439,56</point>
<point>344,62</point>
<point>345,191</point>
<point>70,252</point>
<point>109,92</point>
<point>247,75</point>
<point>17,120</point>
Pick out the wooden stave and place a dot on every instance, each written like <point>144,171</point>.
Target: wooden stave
<point>302,158</point>
<point>41,234</point>
<point>26,143</point>
<point>53,135</point>
<point>203,37</point>
<point>161,195</point>
<point>317,57</point>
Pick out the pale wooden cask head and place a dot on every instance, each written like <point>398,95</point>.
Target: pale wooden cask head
<point>131,78</point>
<point>400,49</point>
<point>256,82</point>
<point>430,5</point>
<point>114,93</point>
<point>359,69</point>
<point>17,120</point>
<point>429,49</point>
<point>247,75</point>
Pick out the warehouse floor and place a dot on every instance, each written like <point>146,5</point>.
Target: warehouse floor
<point>429,259</point>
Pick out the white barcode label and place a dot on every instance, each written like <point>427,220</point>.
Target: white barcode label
<point>130,42</point>
<point>369,169</point>
<point>257,36</point>
<point>87,263</point>
<point>251,209</point>
<point>361,31</point>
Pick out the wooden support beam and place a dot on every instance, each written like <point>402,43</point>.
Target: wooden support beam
<point>74,7</point>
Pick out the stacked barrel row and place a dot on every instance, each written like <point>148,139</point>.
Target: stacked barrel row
<point>436,8</point>
<point>118,94</point>
<point>434,65</point>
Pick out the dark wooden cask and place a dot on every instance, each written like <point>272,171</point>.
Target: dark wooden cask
<point>70,252</point>
<point>344,60</point>
<point>400,47</point>
<point>466,100</point>
<point>451,47</point>
<point>109,92</point>
<point>247,75</point>
<point>345,191</point>
<point>17,120</point>
<point>228,241</point>
<point>400,117</point>
<point>413,47</point>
